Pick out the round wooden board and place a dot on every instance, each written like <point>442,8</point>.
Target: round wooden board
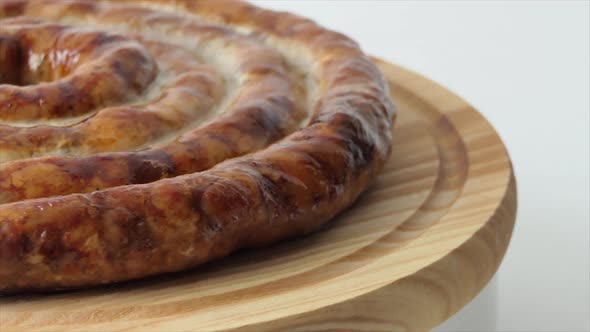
<point>419,245</point>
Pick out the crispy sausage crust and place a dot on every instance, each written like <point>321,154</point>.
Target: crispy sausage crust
<point>249,177</point>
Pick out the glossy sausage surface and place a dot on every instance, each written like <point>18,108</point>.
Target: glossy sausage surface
<point>228,126</point>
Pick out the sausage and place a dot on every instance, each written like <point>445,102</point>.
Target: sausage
<point>286,182</point>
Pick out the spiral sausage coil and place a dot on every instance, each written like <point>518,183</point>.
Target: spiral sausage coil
<point>146,137</point>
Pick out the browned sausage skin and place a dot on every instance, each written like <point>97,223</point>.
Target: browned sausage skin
<point>208,207</point>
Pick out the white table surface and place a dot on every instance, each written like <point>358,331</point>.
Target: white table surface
<point>525,66</point>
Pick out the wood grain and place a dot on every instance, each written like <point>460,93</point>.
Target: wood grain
<point>416,248</point>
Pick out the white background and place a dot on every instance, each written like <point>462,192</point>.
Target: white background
<point>525,66</point>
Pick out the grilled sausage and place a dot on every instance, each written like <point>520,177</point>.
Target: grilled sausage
<point>304,125</point>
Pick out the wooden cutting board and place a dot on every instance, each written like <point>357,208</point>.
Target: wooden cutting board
<point>418,246</point>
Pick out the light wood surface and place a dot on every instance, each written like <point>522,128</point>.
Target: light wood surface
<point>415,249</point>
